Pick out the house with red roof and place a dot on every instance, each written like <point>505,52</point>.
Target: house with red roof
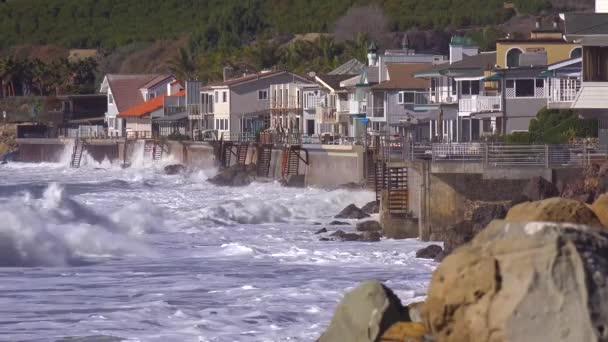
<point>130,90</point>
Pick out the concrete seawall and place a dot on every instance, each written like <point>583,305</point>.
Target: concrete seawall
<point>329,165</point>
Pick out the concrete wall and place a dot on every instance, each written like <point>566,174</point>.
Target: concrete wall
<point>38,153</point>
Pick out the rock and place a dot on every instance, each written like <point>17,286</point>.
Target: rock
<point>371,237</point>
<point>371,208</point>
<point>576,191</point>
<point>439,257</point>
<point>369,226</point>
<point>429,252</point>
<point>457,235</point>
<point>538,189</point>
<point>538,281</point>
<point>236,175</point>
<point>339,223</point>
<point>558,210</point>
<point>350,237</point>
<point>415,310</point>
<point>174,169</point>
<point>404,331</point>
<point>399,228</point>
<point>352,212</point>
<point>324,239</point>
<point>486,213</point>
<point>600,208</point>
<point>321,231</point>
<point>365,314</point>
<point>338,233</point>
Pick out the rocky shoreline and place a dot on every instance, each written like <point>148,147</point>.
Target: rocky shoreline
<point>532,269</point>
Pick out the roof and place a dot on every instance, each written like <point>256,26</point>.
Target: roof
<point>240,80</point>
<point>352,67</point>
<point>532,40</point>
<point>371,75</point>
<point>156,80</point>
<point>586,23</point>
<point>523,72</point>
<point>148,106</point>
<point>402,77</point>
<point>462,41</point>
<point>333,81</point>
<point>482,61</point>
<point>125,89</point>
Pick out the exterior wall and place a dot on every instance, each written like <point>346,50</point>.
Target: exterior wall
<point>221,109</point>
<point>556,52</point>
<point>138,124</point>
<point>520,111</point>
<point>159,89</point>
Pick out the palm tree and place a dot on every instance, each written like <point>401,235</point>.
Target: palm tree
<point>8,71</point>
<point>183,65</point>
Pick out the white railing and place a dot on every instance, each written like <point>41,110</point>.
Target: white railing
<point>563,90</point>
<point>480,104</point>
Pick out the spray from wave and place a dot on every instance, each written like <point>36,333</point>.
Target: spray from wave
<point>55,230</point>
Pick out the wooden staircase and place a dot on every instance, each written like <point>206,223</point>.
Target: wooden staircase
<point>264,158</point>
<point>225,154</point>
<point>396,182</point>
<point>157,152</point>
<point>379,178</point>
<point>290,164</point>
<point>241,152</point>
<point>77,153</point>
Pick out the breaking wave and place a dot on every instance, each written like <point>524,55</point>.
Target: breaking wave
<point>55,230</point>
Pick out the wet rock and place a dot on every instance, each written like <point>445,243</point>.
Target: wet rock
<point>600,208</point>
<point>174,169</point>
<point>352,212</point>
<point>405,331</point>
<point>350,237</point>
<point>369,226</point>
<point>371,237</point>
<point>321,231</point>
<point>237,175</point>
<point>439,257</point>
<point>399,228</point>
<point>325,239</point>
<point>429,252</point>
<point>558,210</point>
<point>538,189</point>
<point>339,223</point>
<point>457,235</point>
<point>338,233</point>
<point>365,314</point>
<point>371,208</point>
<point>516,277</point>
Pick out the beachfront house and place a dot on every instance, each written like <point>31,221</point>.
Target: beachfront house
<point>590,30</point>
<point>292,107</point>
<point>127,91</point>
<point>242,105</point>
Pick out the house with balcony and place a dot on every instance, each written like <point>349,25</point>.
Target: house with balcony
<point>124,92</point>
<point>293,106</point>
<point>332,105</point>
<point>590,30</point>
<point>563,82</point>
<point>243,104</point>
<point>393,101</point>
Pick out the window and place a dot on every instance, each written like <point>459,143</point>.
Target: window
<point>263,95</point>
<point>216,97</point>
<point>513,58</point>
<point>540,83</point>
<point>595,68</point>
<point>110,98</point>
<point>523,87</point>
<point>454,87</point>
<point>406,97</point>
<point>224,96</point>
<point>151,95</point>
<point>469,87</point>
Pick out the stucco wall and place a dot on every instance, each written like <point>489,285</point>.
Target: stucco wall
<point>556,52</point>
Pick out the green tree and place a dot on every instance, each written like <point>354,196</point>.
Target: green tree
<point>183,65</point>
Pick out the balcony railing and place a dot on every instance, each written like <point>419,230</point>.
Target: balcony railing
<point>175,110</point>
<point>563,90</point>
<point>480,104</point>
<point>357,107</point>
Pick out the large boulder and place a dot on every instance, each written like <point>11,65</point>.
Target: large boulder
<point>365,314</point>
<point>539,188</point>
<point>352,212</point>
<point>600,208</point>
<point>371,237</point>
<point>236,175</point>
<point>174,169</point>
<point>369,226</point>
<point>486,213</point>
<point>405,331</point>
<point>371,208</point>
<point>538,281</point>
<point>558,210</point>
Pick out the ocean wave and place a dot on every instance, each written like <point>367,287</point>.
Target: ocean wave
<point>55,230</point>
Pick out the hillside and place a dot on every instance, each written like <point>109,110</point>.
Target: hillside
<point>114,23</point>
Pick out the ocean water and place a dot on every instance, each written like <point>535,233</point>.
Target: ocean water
<point>105,254</point>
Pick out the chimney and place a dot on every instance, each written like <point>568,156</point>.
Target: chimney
<point>227,72</point>
<point>538,22</point>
